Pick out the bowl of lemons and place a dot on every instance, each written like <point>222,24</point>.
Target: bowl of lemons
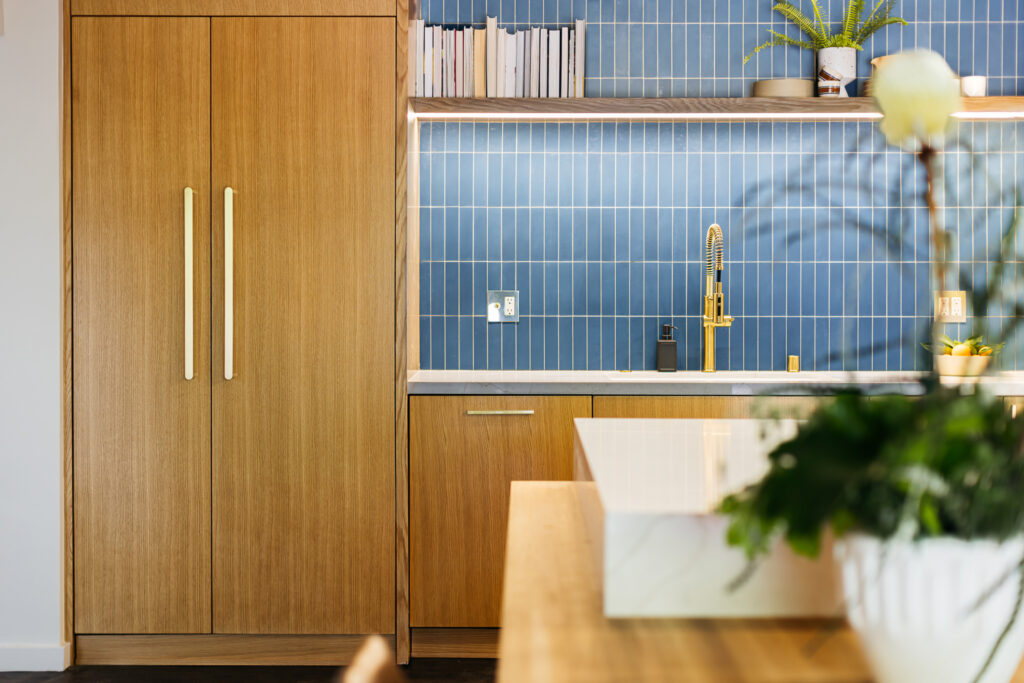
<point>967,358</point>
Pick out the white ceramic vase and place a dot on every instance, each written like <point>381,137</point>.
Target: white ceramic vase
<point>837,68</point>
<point>915,607</point>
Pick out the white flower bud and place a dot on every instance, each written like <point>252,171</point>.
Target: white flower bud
<point>918,94</point>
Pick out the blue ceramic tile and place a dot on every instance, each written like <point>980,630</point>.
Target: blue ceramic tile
<point>437,336</point>
<point>507,335</point>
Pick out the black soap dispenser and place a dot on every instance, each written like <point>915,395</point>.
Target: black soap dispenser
<point>667,349</point>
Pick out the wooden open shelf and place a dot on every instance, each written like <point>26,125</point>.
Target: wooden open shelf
<point>685,109</point>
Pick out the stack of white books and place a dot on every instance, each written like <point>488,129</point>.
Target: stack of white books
<point>494,62</point>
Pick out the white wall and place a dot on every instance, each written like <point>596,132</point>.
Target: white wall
<point>30,469</point>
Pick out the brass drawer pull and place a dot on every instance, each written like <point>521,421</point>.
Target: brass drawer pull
<point>499,412</point>
<point>189,296</point>
<point>229,283</point>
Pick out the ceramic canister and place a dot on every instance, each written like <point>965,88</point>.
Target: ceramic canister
<point>837,68</point>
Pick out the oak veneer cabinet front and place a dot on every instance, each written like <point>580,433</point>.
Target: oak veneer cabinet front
<point>141,103</point>
<point>705,407</point>
<point>263,503</point>
<point>464,453</point>
<point>303,435</point>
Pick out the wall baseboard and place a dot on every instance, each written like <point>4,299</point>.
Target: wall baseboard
<point>455,642</point>
<point>219,649</point>
<point>34,657</point>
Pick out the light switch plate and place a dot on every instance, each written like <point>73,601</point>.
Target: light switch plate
<point>502,305</point>
<point>951,306</point>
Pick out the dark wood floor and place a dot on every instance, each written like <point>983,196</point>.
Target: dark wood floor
<point>420,670</point>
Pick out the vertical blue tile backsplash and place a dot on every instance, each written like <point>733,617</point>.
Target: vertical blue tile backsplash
<point>600,226</point>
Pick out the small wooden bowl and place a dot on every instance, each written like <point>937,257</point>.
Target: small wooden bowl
<point>962,366</point>
<point>783,87</point>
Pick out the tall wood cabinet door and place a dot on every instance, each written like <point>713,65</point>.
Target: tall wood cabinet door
<point>303,432</point>
<point>464,454</point>
<point>140,107</point>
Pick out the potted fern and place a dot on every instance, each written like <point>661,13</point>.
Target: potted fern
<point>837,50</point>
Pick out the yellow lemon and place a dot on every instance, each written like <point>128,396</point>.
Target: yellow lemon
<point>961,350</point>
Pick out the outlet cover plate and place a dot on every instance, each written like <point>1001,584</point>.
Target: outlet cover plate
<point>497,306</point>
<point>951,306</point>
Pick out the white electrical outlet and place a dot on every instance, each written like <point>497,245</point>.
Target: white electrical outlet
<point>951,306</point>
<point>503,306</point>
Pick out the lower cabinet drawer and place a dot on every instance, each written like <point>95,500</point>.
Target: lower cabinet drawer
<point>464,452</point>
<point>705,407</point>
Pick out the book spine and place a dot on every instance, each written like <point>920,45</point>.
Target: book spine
<point>412,59</point>
<point>468,57</point>
<point>535,62</point>
<point>438,52</point>
<point>492,56</point>
<point>499,70</point>
<point>554,63</point>
<point>445,49</point>
<point>520,62</point>
<point>563,80</point>
<point>460,61</point>
<point>510,65</point>
<point>441,89</point>
<point>543,89</point>
<point>417,74</point>
<point>480,62</point>
<point>451,63</point>
<point>572,64</point>
<point>581,55</point>
<point>527,61</point>
<point>428,62</point>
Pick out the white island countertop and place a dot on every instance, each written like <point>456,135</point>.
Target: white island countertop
<point>690,383</point>
<point>650,492</point>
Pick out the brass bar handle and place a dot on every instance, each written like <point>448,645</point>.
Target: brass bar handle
<point>229,276</point>
<point>499,412</point>
<point>189,294</point>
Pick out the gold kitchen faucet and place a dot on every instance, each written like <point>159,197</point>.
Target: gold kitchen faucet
<point>714,299</point>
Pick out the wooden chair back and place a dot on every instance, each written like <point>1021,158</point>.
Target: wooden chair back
<point>374,663</point>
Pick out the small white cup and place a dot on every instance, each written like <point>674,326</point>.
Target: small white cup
<point>973,86</point>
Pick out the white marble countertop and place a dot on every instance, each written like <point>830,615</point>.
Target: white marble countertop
<point>600,382</point>
<point>649,500</point>
<point>675,466</point>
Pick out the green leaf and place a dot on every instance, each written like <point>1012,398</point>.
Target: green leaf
<point>821,22</point>
<point>871,16</point>
<point>778,40</point>
<point>808,545</point>
<point>853,11</point>
<point>878,19</point>
<point>930,518</point>
<point>802,22</point>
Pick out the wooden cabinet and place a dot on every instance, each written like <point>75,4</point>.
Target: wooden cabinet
<point>263,503</point>
<point>705,407</point>
<point>303,434</point>
<point>464,452</point>
<point>141,430</point>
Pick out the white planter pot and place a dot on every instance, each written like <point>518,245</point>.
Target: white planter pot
<point>962,366</point>
<point>837,68</point>
<point>915,607</point>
